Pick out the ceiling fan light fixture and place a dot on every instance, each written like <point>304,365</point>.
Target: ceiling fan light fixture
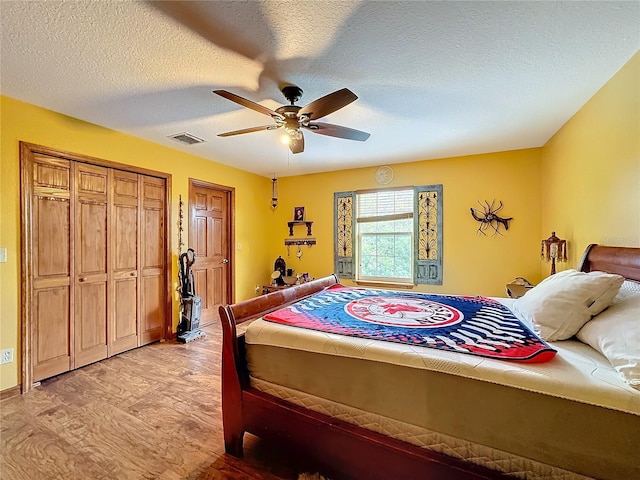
<point>294,134</point>
<point>294,118</point>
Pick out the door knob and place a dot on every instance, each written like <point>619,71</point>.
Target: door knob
<point>226,260</point>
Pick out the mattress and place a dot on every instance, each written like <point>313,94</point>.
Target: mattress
<point>573,413</point>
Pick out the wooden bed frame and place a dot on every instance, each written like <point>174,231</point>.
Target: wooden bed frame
<point>336,447</point>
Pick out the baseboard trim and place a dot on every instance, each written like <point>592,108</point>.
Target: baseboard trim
<point>10,392</point>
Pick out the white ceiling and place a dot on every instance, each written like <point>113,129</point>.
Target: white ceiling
<point>434,79</point>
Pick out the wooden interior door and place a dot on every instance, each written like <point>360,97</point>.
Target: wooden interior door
<point>52,217</point>
<point>91,263</point>
<point>209,236</point>
<point>124,240</point>
<point>152,259</point>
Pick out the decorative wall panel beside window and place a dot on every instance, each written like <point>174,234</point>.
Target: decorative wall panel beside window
<point>391,235</point>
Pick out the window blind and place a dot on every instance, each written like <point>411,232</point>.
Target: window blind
<point>391,205</point>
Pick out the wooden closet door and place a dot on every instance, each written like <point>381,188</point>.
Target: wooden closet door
<point>152,259</point>
<point>91,264</point>
<point>123,244</point>
<point>52,216</point>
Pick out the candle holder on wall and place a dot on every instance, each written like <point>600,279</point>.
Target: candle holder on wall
<point>274,192</point>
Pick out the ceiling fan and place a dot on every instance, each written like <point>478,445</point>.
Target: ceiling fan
<point>295,118</point>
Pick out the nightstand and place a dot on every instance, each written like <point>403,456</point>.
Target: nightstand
<point>518,287</point>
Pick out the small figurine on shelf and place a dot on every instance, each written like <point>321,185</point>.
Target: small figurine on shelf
<point>303,278</point>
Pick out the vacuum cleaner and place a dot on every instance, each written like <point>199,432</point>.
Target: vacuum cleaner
<point>188,327</point>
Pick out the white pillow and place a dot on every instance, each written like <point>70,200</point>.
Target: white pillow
<point>562,303</point>
<point>629,287</point>
<point>616,334</point>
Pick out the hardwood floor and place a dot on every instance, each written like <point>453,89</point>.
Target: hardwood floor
<point>150,413</point>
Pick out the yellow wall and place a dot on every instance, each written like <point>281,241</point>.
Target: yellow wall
<point>473,263</point>
<point>591,170</point>
<point>584,184</point>
<point>24,122</point>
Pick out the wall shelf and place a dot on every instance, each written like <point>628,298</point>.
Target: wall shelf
<point>294,223</point>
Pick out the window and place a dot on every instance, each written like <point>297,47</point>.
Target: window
<point>392,235</point>
<point>384,228</point>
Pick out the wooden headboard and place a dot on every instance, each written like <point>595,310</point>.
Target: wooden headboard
<point>624,261</point>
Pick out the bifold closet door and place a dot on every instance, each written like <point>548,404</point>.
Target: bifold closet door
<point>91,263</point>
<point>95,261</point>
<point>52,268</point>
<point>152,259</point>
<point>124,252</point>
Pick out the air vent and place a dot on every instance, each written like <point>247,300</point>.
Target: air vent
<point>186,138</point>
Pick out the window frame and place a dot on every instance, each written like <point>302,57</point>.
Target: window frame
<point>427,235</point>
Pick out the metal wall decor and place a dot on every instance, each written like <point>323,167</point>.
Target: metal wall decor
<point>180,243</point>
<point>489,218</point>
<point>180,227</point>
<point>344,226</point>
<point>427,225</point>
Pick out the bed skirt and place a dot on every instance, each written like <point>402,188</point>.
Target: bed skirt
<point>513,465</point>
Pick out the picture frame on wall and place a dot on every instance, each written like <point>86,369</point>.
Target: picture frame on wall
<point>298,214</point>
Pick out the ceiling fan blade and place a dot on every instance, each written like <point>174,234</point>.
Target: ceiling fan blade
<point>297,145</point>
<point>247,103</point>
<point>248,130</point>
<point>338,131</point>
<point>328,104</point>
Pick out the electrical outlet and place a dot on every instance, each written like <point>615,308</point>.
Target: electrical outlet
<point>6,356</point>
<point>3,255</point>
<point>257,288</point>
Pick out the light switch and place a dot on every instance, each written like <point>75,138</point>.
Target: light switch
<point>3,255</point>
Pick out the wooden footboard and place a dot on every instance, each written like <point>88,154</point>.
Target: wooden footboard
<point>338,448</point>
<point>235,377</point>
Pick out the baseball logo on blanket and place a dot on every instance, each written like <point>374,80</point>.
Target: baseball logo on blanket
<point>474,325</point>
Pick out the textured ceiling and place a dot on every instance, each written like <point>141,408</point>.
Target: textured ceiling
<point>434,79</point>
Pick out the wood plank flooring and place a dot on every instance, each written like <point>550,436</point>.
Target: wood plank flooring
<point>150,413</point>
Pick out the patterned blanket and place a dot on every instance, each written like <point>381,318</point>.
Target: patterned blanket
<point>475,325</point>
